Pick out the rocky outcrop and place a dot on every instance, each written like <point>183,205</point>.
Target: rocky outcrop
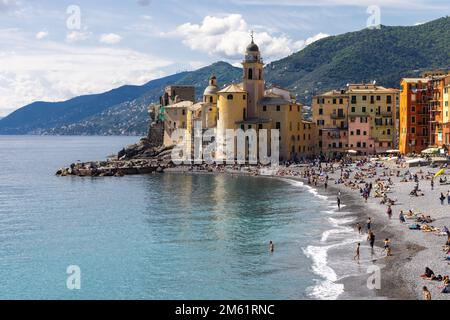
<point>141,158</point>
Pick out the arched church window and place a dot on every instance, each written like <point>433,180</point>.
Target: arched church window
<point>211,99</point>
<point>250,74</point>
<point>230,97</point>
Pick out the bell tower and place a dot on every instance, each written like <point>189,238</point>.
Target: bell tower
<point>253,78</point>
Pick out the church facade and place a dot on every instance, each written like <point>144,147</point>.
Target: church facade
<point>246,105</point>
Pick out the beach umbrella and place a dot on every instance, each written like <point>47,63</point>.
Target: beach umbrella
<point>439,172</point>
<point>431,151</point>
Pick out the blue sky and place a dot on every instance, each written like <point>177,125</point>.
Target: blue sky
<point>55,50</point>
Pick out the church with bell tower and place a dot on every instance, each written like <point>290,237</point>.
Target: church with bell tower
<point>248,105</point>
<point>253,78</point>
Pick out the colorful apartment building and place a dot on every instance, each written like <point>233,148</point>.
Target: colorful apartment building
<point>361,117</point>
<point>424,113</point>
<point>415,97</point>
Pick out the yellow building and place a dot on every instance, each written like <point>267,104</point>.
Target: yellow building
<point>247,105</point>
<point>361,117</point>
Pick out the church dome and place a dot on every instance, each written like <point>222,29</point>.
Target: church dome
<point>210,91</point>
<point>252,47</point>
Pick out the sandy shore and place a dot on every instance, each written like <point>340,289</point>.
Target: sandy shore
<point>412,250</point>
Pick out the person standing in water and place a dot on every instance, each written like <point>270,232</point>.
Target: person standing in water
<point>271,247</point>
<point>339,201</point>
<point>357,255</point>
<point>359,227</point>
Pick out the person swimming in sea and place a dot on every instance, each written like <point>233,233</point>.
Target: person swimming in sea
<point>271,247</point>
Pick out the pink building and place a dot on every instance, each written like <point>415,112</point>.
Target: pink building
<point>359,136</point>
<point>333,141</point>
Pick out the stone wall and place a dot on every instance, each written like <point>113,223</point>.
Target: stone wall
<point>156,134</point>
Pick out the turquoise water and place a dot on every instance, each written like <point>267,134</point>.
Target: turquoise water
<point>164,236</point>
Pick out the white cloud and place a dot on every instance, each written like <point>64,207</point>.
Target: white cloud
<point>227,37</point>
<point>110,38</point>
<point>50,71</point>
<point>75,36</point>
<point>41,35</point>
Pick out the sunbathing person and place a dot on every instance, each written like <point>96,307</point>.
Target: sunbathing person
<point>429,274</point>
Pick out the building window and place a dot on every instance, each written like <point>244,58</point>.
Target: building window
<point>365,133</point>
<point>413,119</point>
<point>320,111</point>
<point>363,109</point>
<point>389,99</point>
<point>353,99</point>
<point>364,98</point>
<point>358,132</point>
<point>244,97</point>
<point>260,126</point>
<point>278,108</point>
<point>250,74</point>
<point>278,125</point>
<point>230,97</point>
<point>211,99</point>
<point>334,101</point>
<point>298,108</point>
<point>183,112</point>
<point>341,101</point>
<point>389,132</point>
<point>378,98</point>
<point>413,130</point>
<point>353,109</point>
<point>290,108</point>
<point>264,108</point>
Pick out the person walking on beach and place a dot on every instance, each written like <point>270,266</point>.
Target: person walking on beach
<point>357,255</point>
<point>326,185</point>
<point>371,239</point>
<point>448,197</point>
<point>442,198</point>
<point>271,247</point>
<point>401,216</point>
<point>389,212</point>
<point>426,294</point>
<point>369,224</point>
<point>432,183</point>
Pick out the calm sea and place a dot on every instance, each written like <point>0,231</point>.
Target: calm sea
<point>164,236</point>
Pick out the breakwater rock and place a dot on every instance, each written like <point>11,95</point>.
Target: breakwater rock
<point>140,158</point>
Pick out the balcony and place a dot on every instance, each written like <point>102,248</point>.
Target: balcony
<point>337,116</point>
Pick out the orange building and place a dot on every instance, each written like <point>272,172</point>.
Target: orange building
<point>415,97</point>
<point>424,113</point>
